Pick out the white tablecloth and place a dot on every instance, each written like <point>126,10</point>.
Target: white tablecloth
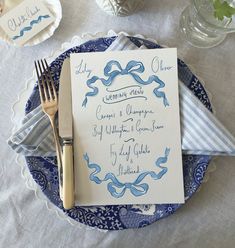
<point>207,220</point>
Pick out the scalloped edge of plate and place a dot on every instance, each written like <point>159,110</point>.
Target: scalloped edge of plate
<point>55,8</point>
<point>18,113</point>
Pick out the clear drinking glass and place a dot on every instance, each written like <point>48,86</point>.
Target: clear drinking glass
<point>120,7</point>
<point>201,28</point>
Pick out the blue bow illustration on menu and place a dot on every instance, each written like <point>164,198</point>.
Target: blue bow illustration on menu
<point>133,68</point>
<point>137,188</point>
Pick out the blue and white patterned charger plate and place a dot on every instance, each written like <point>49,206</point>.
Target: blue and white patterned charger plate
<point>44,169</point>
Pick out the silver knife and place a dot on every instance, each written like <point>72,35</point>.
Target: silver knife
<point>66,134</point>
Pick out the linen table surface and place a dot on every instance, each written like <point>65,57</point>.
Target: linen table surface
<point>206,220</point>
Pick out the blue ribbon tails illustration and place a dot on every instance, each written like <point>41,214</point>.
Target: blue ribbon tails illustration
<point>117,189</point>
<point>114,69</point>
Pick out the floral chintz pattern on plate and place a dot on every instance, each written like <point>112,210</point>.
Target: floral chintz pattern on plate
<point>44,170</point>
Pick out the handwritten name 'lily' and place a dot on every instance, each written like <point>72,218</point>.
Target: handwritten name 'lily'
<point>82,68</point>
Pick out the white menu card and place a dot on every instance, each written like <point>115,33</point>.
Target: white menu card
<point>127,145</point>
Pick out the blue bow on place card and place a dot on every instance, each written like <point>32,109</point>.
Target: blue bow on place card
<point>26,20</point>
<point>126,127</point>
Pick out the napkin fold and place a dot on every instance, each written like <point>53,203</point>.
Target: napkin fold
<point>201,132</point>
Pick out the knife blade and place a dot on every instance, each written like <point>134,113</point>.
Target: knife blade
<point>66,134</point>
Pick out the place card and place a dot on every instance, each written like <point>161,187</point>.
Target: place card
<point>26,20</point>
<point>127,145</point>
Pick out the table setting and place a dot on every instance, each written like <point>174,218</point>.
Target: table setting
<point>84,125</point>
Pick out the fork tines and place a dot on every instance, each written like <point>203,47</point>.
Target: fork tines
<point>45,82</point>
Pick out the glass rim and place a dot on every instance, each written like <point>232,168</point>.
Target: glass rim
<point>218,27</point>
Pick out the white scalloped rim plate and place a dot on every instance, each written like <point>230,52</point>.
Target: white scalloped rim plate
<point>55,8</point>
<point>18,109</point>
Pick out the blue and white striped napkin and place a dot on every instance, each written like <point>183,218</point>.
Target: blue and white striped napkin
<point>201,132</point>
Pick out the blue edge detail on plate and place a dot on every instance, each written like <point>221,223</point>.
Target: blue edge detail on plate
<point>44,169</point>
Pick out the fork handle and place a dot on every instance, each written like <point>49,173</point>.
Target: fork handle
<point>58,155</point>
<point>68,175</point>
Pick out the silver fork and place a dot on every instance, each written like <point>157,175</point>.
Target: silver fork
<point>49,102</point>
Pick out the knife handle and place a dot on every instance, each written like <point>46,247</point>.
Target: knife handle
<point>68,176</point>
